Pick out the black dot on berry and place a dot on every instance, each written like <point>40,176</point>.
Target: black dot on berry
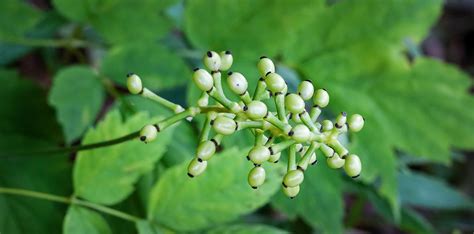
<point>209,54</point>
<point>290,133</point>
<point>254,187</point>
<point>195,69</point>
<point>199,160</point>
<point>189,174</point>
<point>268,73</point>
<point>262,57</point>
<point>143,138</point>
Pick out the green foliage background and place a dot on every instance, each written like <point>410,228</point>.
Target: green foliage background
<point>418,112</point>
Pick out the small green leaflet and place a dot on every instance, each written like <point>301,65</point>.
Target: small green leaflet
<point>77,95</point>
<point>81,220</point>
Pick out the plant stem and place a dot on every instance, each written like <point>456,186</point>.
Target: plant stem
<point>71,201</point>
<point>77,148</point>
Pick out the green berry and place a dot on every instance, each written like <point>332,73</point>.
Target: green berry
<point>301,133</point>
<point>265,65</point>
<point>293,178</point>
<point>356,122</point>
<point>321,98</point>
<point>274,158</point>
<point>148,133</point>
<point>203,79</point>
<point>256,177</point>
<point>352,166</point>
<point>275,82</point>
<point>212,60</point>
<point>341,120</point>
<point>237,83</point>
<point>294,103</point>
<point>206,150</point>
<point>196,167</point>
<point>256,110</point>
<point>335,161</point>
<point>306,90</point>
<point>259,154</point>
<point>224,125</point>
<point>327,125</point>
<point>226,60</point>
<point>327,151</point>
<point>291,192</point>
<point>134,83</point>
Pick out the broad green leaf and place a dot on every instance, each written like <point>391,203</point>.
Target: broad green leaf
<point>77,96</point>
<point>251,28</point>
<point>220,195</point>
<point>107,175</point>
<point>246,229</point>
<point>16,18</point>
<point>82,220</point>
<point>41,173</point>
<point>425,191</point>
<point>120,21</point>
<point>158,68</point>
<point>319,202</point>
<point>24,109</point>
<point>362,22</point>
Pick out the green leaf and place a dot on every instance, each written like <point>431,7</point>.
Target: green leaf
<point>145,227</point>
<point>220,195</point>
<point>246,229</point>
<point>335,28</point>
<point>417,108</point>
<point>271,24</point>
<point>120,21</point>
<point>20,101</point>
<point>425,191</point>
<point>77,95</point>
<point>319,202</point>
<point>81,220</point>
<point>16,17</point>
<point>107,175</point>
<point>42,173</point>
<point>158,68</point>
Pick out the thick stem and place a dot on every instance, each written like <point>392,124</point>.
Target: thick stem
<point>71,201</point>
<point>261,85</point>
<point>292,158</point>
<point>77,148</point>
<point>154,97</point>
<point>280,106</point>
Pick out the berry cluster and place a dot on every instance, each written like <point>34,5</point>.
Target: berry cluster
<point>288,126</point>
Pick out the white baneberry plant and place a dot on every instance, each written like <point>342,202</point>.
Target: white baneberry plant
<point>291,127</point>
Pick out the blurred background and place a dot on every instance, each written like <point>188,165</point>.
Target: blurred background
<point>407,66</point>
